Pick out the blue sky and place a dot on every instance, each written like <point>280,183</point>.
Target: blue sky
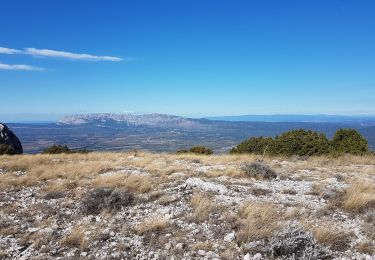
<point>194,58</point>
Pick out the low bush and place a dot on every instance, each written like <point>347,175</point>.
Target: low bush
<point>258,170</point>
<point>305,143</point>
<point>197,150</point>
<point>257,221</point>
<point>254,145</point>
<point>104,198</point>
<point>182,151</point>
<point>300,142</point>
<point>293,242</point>
<point>349,141</point>
<point>58,149</point>
<point>6,149</point>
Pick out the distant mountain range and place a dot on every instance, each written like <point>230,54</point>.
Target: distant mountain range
<point>159,132</point>
<point>365,120</point>
<point>153,120</point>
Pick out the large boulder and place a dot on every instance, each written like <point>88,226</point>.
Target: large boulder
<point>8,138</point>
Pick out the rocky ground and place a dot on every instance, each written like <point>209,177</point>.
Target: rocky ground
<point>160,206</point>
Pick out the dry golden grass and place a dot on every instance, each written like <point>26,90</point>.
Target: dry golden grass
<point>203,205</point>
<point>207,246</point>
<point>9,230</point>
<point>258,221</point>
<point>62,172</point>
<point>230,171</point>
<point>366,247</point>
<point>360,196</point>
<point>10,208</point>
<point>75,239</point>
<point>61,185</point>
<point>230,253</point>
<point>133,183</point>
<point>336,239</point>
<point>151,225</point>
<point>296,213</point>
<point>42,168</point>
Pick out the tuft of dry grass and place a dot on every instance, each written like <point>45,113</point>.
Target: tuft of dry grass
<point>151,225</point>
<point>359,197</point>
<point>229,170</point>
<point>289,191</point>
<point>369,230</point>
<point>336,239</point>
<point>295,213</point>
<point>260,191</point>
<point>258,221</point>
<point>202,205</point>
<point>207,246</point>
<point>75,239</point>
<point>366,247</point>
<point>132,183</point>
<point>8,230</point>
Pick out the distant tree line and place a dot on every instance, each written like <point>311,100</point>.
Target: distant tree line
<point>58,149</point>
<point>305,143</point>
<point>197,150</point>
<point>295,142</point>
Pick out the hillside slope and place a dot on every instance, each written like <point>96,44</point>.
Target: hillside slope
<point>158,206</point>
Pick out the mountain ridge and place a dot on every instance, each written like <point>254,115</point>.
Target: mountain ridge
<point>153,119</point>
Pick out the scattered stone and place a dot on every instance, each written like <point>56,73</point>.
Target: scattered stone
<point>180,246</point>
<point>229,237</point>
<point>201,252</point>
<point>206,186</point>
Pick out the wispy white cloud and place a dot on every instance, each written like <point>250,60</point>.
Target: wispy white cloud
<point>69,55</point>
<point>4,50</point>
<point>60,54</point>
<point>4,66</point>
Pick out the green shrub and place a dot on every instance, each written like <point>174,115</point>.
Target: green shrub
<point>182,151</point>
<point>83,151</point>
<point>306,143</point>
<point>255,145</point>
<point>349,141</point>
<point>300,142</point>
<point>197,150</point>
<point>56,149</point>
<point>6,149</point>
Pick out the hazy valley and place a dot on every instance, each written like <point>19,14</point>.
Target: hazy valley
<point>155,132</point>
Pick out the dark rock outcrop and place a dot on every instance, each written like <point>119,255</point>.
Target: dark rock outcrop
<point>7,137</point>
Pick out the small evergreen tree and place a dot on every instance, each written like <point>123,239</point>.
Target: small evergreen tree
<point>349,141</point>
<point>255,145</point>
<point>300,142</point>
<point>57,149</point>
<point>201,150</point>
<point>197,150</point>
